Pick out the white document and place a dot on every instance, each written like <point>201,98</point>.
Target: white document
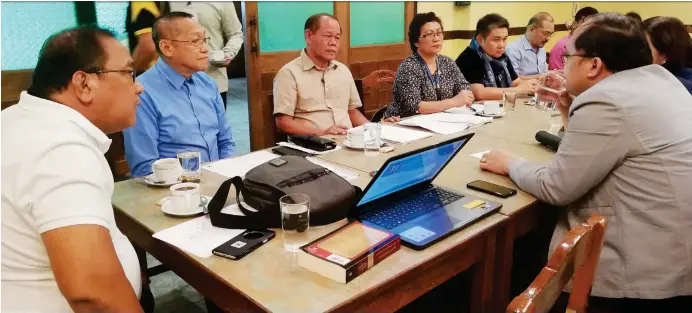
<point>402,135</point>
<point>431,122</point>
<point>479,155</point>
<point>346,174</point>
<point>239,166</point>
<point>462,110</point>
<point>297,147</point>
<point>461,118</point>
<point>197,236</point>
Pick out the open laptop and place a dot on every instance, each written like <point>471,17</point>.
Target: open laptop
<point>402,199</point>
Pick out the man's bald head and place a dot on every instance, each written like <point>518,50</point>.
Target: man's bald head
<point>166,26</point>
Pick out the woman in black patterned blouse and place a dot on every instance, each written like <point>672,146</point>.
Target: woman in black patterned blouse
<point>427,82</point>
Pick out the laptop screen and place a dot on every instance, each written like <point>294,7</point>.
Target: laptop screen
<point>410,170</point>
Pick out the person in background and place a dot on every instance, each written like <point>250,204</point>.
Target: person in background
<point>486,65</point>
<point>556,61</point>
<point>138,22</point>
<point>314,94</point>
<point>427,82</point>
<point>527,53</point>
<point>626,155</point>
<point>61,248</point>
<point>634,15</point>
<point>221,22</point>
<point>181,105</point>
<point>671,47</point>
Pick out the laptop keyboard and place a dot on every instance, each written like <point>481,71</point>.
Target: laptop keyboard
<point>404,211</point>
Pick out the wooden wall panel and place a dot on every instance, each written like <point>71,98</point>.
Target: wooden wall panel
<point>13,83</point>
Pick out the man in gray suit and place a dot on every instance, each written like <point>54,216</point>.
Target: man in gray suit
<point>626,155</point>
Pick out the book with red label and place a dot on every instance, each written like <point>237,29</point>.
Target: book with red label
<point>348,252</point>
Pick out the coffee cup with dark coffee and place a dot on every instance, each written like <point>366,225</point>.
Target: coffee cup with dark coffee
<point>184,199</point>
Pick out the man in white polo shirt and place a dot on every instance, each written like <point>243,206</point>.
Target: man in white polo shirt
<point>61,249</point>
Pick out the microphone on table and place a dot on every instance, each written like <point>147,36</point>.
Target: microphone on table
<point>549,140</point>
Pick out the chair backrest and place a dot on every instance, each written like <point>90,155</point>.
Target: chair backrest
<point>377,117</point>
<point>574,258</point>
<point>371,81</point>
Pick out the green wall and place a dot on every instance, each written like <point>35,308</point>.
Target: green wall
<point>376,23</point>
<point>282,24</point>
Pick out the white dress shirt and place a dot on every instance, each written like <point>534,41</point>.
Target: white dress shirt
<point>54,175</point>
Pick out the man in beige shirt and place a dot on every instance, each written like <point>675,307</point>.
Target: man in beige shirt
<point>314,94</point>
<point>221,23</point>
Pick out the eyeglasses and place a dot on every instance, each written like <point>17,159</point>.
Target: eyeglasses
<point>566,56</point>
<point>132,73</point>
<point>197,42</point>
<point>438,34</point>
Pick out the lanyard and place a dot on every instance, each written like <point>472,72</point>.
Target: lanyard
<point>434,79</point>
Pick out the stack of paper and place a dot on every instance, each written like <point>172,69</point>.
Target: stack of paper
<point>197,236</point>
<point>346,174</point>
<point>402,135</point>
<point>431,123</point>
<point>239,166</point>
<point>460,118</point>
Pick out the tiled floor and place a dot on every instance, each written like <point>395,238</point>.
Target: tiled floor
<point>171,293</point>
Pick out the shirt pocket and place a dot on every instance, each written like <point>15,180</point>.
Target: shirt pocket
<point>310,98</point>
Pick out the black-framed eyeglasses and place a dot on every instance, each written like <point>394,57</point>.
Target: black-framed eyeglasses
<point>132,73</point>
<point>197,42</point>
<point>566,56</point>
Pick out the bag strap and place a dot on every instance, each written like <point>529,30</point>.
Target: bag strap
<point>251,220</point>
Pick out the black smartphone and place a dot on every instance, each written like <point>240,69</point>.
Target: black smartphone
<point>490,188</point>
<point>289,151</point>
<point>243,244</point>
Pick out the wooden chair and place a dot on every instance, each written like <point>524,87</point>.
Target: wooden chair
<point>372,80</point>
<point>575,258</point>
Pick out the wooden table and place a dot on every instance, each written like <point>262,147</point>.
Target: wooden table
<point>269,280</point>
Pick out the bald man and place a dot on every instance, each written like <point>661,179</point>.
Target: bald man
<point>528,53</point>
<point>181,107</point>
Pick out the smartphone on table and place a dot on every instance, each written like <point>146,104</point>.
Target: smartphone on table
<point>243,244</point>
<point>490,188</point>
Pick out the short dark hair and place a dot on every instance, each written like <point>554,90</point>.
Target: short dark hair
<point>489,22</point>
<point>313,22</point>
<point>669,36</point>
<point>584,13</point>
<point>158,31</point>
<point>63,54</point>
<point>416,23</point>
<point>634,15</point>
<point>616,39</point>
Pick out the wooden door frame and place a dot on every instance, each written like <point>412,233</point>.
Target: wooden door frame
<point>261,67</point>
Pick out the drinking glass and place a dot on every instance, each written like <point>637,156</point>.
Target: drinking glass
<point>295,220</point>
<point>372,138</point>
<point>509,99</point>
<point>549,87</point>
<point>190,161</point>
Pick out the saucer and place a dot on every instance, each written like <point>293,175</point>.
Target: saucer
<point>204,200</point>
<point>151,181</point>
<point>347,144</point>
<point>500,114</point>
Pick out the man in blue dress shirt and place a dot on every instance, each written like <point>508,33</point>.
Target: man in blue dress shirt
<point>528,53</point>
<point>180,106</point>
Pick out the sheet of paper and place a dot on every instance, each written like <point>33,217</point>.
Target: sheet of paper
<point>479,155</point>
<point>346,174</point>
<point>239,166</point>
<point>402,135</point>
<point>297,147</point>
<point>197,236</point>
<point>461,110</point>
<point>431,123</point>
<point>460,118</point>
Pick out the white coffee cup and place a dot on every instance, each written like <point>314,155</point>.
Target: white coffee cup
<point>166,170</point>
<point>184,199</point>
<point>355,136</point>
<point>491,107</point>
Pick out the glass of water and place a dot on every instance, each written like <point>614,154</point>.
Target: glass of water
<point>190,162</point>
<point>509,99</point>
<point>372,138</point>
<point>295,220</point>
